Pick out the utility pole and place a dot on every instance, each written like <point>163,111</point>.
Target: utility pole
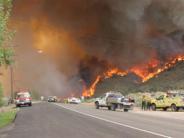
<point>12,82</point>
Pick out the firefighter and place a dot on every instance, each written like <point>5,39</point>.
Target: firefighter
<point>148,105</point>
<point>144,102</point>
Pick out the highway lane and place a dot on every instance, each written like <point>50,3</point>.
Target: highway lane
<point>145,123</point>
<point>45,120</point>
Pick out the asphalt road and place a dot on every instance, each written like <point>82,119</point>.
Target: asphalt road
<point>46,120</point>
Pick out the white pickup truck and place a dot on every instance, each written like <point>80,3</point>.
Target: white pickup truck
<point>113,100</point>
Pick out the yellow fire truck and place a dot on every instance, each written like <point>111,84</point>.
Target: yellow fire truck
<point>167,101</point>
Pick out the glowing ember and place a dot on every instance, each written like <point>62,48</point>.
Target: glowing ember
<point>144,71</point>
<point>40,51</point>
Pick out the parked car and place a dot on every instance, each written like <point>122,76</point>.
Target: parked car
<point>113,100</point>
<point>74,100</point>
<point>23,98</point>
<point>52,99</point>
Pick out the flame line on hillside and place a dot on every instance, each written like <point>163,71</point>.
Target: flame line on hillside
<point>108,74</point>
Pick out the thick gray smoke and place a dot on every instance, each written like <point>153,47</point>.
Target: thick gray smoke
<point>110,33</point>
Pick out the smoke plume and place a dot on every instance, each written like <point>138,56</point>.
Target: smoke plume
<point>81,39</point>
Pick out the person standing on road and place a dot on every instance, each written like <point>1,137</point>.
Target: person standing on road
<point>148,103</point>
<point>144,102</point>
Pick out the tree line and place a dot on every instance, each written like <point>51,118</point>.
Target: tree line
<point>6,51</point>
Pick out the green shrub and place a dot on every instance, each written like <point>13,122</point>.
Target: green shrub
<point>7,117</point>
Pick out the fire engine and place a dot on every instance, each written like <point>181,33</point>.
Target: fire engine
<point>167,101</point>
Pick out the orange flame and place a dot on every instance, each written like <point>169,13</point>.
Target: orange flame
<point>145,72</point>
<point>108,74</point>
<point>90,92</point>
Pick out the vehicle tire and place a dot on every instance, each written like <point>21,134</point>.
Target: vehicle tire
<point>17,105</point>
<point>165,109</point>
<point>173,108</point>
<point>109,108</point>
<point>30,104</point>
<point>97,105</point>
<point>125,110</point>
<point>153,107</point>
<point>113,107</point>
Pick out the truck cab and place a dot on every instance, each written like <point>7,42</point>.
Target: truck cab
<point>102,100</point>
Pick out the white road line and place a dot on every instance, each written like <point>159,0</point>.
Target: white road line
<point>120,124</point>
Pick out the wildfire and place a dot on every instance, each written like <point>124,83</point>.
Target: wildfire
<point>114,71</point>
<point>145,72</point>
<point>108,74</point>
<point>89,92</point>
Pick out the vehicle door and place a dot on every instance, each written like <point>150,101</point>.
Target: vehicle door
<point>102,100</point>
<point>110,98</point>
<point>167,101</point>
<point>160,101</point>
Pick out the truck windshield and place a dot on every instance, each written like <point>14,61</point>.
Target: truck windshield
<point>23,95</point>
<point>118,96</point>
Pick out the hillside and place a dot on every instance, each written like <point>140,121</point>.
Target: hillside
<point>170,79</point>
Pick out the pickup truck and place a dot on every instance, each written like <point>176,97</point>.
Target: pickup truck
<point>164,102</point>
<point>113,100</point>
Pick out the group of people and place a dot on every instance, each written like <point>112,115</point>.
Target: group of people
<point>146,103</point>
